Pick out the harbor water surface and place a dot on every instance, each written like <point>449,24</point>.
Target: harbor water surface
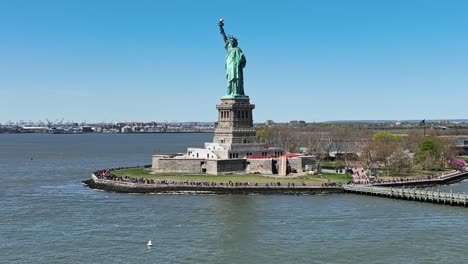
<point>48,216</point>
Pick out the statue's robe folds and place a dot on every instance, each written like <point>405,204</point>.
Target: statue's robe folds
<point>235,62</point>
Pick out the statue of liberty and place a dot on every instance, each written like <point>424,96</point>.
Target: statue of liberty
<point>235,63</point>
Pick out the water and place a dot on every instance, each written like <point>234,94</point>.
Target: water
<point>48,216</point>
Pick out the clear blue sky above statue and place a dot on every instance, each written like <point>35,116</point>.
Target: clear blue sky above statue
<point>162,60</point>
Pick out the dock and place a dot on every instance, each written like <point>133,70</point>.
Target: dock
<point>411,194</point>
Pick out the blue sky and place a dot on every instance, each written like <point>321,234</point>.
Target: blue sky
<point>164,60</point>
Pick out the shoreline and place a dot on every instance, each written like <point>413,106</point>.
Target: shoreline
<point>126,187</point>
<point>199,188</point>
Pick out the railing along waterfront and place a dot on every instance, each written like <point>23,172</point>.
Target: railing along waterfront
<point>226,185</point>
<point>421,195</point>
<point>436,179</point>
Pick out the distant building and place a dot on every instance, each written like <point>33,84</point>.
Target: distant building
<point>87,129</point>
<point>461,145</point>
<point>297,123</point>
<point>269,123</point>
<point>126,129</point>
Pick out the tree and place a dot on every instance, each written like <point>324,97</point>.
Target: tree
<point>446,149</point>
<point>435,153</point>
<point>283,137</point>
<point>384,144</point>
<point>386,137</point>
<point>427,154</point>
<point>401,159</point>
<point>412,140</point>
<point>262,135</point>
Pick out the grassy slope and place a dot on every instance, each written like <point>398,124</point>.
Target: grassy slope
<point>310,179</point>
<point>414,174</point>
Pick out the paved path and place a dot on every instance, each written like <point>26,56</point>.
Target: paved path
<point>421,195</point>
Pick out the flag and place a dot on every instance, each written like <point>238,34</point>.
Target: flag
<point>423,122</point>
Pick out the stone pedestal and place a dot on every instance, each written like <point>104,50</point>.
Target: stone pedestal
<point>234,150</point>
<point>235,122</point>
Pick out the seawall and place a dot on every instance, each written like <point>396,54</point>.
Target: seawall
<point>130,187</point>
<point>126,187</point>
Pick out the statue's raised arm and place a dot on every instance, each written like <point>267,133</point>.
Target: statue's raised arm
<point>221,24</point>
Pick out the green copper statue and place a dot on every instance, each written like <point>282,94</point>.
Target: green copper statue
<point>235,63</point>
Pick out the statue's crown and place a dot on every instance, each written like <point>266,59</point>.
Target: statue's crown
<point>232,37</point>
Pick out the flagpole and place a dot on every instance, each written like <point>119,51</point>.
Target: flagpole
<point>423,123</point>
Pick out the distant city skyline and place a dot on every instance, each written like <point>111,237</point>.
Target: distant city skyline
<point>55,122</point>
<point>306,60</point>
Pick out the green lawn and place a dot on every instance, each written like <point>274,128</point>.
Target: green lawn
<point>414,174</point>
<point>333,164</point>
<point>310,179</point>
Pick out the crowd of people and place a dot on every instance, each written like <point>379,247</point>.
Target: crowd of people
<point>405,180</point>
<point>108,175</point>
<point>332,184</point>
<point>359,177</point>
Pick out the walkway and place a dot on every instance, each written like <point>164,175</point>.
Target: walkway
<point>421,195</point>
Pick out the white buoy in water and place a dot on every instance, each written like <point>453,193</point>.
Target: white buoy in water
<point>149,243</point>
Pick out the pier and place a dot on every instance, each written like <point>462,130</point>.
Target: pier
<point>413,194</point>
